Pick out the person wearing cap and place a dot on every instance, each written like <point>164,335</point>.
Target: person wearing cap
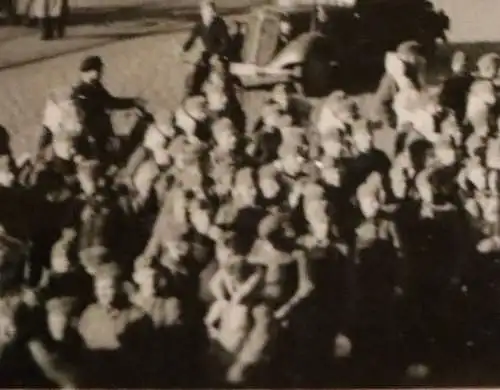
<point>214,34</point>
<point>57,349</point>
<point>454,90</point>
<point>95,102</point>
<point>191,119</point>
<point>116,334</point>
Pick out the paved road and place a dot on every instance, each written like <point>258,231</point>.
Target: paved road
<point>138,46</point>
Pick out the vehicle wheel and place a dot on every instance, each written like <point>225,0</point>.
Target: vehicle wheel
<point>317,71</point>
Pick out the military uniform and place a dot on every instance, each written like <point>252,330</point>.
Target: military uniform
<point>95,102</point>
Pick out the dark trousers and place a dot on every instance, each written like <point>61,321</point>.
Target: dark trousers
<point>53,27</point>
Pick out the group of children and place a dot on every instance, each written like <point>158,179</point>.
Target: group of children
<point>294,253</point>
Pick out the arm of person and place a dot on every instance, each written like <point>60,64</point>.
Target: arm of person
<point>56,369</point>
<point>111,102</point>
<point>193,36</point>
<point>247,287</point>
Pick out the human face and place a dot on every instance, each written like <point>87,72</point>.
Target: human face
<point>316,215</point>
<point>226,139</point>
<point>207,11</point>
<point>269,187</point>
<point>7,178</point>
<point>331,175</point>
<point>58,324</point>
<point>92,76</point>
<point>217,101</point>
<point>200,220</point>
<point>64,149</point>
<point>362,140</point>
<point>245,194</point>
<point>332,147</point>
<point>369,206</point>
<point>148,285</point>
<point>106,291</point>
<point>8,329</point>
<point>292,164</point>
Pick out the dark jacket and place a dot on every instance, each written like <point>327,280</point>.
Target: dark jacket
<point>95,102</point>
<point>215,37</point>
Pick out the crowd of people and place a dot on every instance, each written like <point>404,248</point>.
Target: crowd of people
<point>200,251</point>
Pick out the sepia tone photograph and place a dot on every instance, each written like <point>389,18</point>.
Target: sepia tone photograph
<point>229,194</point>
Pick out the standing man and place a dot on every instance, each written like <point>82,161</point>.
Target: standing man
<point>214,34</point>
<point>52,16</point>
<point>95,103</point>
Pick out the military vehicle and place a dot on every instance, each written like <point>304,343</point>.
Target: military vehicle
<point>313,42</point>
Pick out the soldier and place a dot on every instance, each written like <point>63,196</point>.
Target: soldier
<point>116,335</point>
<point>52,17</point>
<point>94,102</point>
<point>213,32</point>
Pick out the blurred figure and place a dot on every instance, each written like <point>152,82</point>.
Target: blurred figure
<point>455,89</point>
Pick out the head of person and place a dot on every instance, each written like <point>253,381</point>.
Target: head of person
<point>362,138</point>
<point>316,210</point>
<point>7,176</point>
<point>63,146</point>
<point>107,284</point>
<point>207,10</point>
<point>488,65</point>
<point>370,196</point>
<point>459,62</point>
<point>224,134</point>
<point>269,181</point>
<point>91,69</point>
<point>244,191</point>
<point>201,215</point>
<point>60,258</point>
<point>60,316</point>
<point>285,26</point>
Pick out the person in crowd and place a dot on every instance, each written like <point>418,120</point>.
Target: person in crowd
<point>116,334</point>
<point>212,30</point>
<point>455,89</point>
